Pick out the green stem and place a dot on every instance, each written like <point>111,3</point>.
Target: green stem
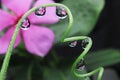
<point>29,74</point>
<point>11,45</point>
<point>100,69</point>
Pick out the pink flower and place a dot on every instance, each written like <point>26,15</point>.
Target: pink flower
<point>38,39</point>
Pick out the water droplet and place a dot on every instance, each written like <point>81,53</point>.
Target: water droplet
<point>73,44</point>
<point>41,11</point>
<point>25,24</point>
<point>61,12</point>
<point>85,43</point>
<point>81,65</point>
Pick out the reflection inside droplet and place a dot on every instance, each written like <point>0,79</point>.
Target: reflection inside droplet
<point>73,44</point>
<point>81,65</point>
<point>61,12</point>
<point>85,43</point>
<point>41,11</point>
<point>25,24</point>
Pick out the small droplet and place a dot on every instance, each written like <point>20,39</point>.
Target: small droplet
<point>61,12</point>
<point>73,44</point>
<point>81,65</point>
<point>85,43</point>
<point>41,11</point>
<point>25,24</point>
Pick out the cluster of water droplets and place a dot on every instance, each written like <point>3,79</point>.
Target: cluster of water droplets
<point>84,43</point>
<point>60,12</point>
<point>81,65</point>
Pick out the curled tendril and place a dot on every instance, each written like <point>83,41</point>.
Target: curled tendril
<point>88,46</point>
<point>18,26</point>
<point>64,39</point>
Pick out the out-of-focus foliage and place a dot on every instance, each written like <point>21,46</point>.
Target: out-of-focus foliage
<point>50,70</point>
<point>85,13</point>
<point>106,57</point>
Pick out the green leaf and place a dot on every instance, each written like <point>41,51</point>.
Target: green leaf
<point>85,14</point>
<point>25,71</point>
<point>102,58</point>
<point>17,73</point>
<point>59,74</point>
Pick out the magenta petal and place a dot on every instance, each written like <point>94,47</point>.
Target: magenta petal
<point>5,40</point>
<point>38,40</point>
<point>49,17</point>
<point>18,6</point>
<point>6,19</point>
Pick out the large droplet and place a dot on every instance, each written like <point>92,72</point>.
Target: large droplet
<point>25,24</point>
<point>61,12</point>
<point>73,44</point>
<point>85,43</point>
<point>81,65</point>
<point>41,11</point>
